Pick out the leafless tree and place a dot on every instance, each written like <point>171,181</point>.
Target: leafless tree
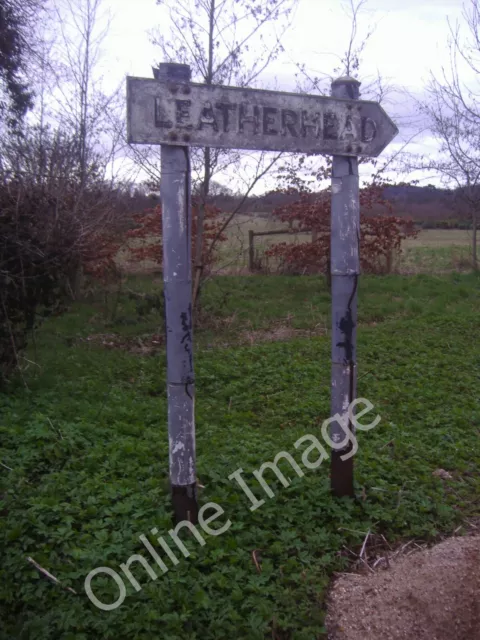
<point>452,113</point>
<point>348,63</point>
<point>79,102</point>
<point>75,114</point>
<point>229,42</point>
<point>307,173</point>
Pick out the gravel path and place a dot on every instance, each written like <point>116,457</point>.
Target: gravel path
<point>430,595</point>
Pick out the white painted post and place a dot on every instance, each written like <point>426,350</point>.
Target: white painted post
<point>345,270</point>
<point>177,277</point>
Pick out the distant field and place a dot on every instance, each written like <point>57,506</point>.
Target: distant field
<point>433,251</point>
<point>437,251</point>
<point>441,238</point>
<point>233,255</point>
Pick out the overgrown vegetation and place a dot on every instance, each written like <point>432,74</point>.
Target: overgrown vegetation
<point>85,460</point>
<point>148,226</point>
<point>54,227</point>
<point>83,435</point>
<point>381,235</point>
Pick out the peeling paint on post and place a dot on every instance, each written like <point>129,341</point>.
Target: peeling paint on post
<point>345,269</point>
<point>177,276</point>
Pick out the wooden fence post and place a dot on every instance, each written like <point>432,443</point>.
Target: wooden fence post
<point>251,251</point>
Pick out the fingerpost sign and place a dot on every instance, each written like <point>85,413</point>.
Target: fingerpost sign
<point>175,113</point>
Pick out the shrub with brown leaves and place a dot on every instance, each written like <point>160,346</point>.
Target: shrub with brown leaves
<point>381,234</point>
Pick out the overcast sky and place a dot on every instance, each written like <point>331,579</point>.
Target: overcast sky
<point>409,40</point>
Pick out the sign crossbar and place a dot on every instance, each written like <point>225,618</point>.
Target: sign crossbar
<point>189,114</point>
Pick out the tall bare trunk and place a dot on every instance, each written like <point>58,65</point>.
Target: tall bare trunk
<point>200,226</point>
<point>474,241</point>
<point>206,174</point>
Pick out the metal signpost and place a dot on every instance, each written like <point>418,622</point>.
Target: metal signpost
<point>175,113</point>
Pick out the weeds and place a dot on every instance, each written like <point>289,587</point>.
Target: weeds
<point>85,459</point>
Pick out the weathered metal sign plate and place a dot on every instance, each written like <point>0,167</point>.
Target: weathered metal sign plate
<point>231,117</point>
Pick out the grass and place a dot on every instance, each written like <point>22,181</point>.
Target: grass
<point>434,259</point>
<point>440,238</point>
<point>84,436</point>
<point>437,251</point>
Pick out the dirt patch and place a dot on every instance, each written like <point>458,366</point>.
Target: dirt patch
<point>432,594</point>
<point>278,334</point>
<point>141,345</point>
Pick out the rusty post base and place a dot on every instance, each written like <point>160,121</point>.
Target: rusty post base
<point>185,505</point>
<point>341,473</point>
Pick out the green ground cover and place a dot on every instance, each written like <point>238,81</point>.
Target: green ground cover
<point>84,455</point>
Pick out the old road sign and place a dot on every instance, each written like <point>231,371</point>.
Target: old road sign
<point>231,117</point>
